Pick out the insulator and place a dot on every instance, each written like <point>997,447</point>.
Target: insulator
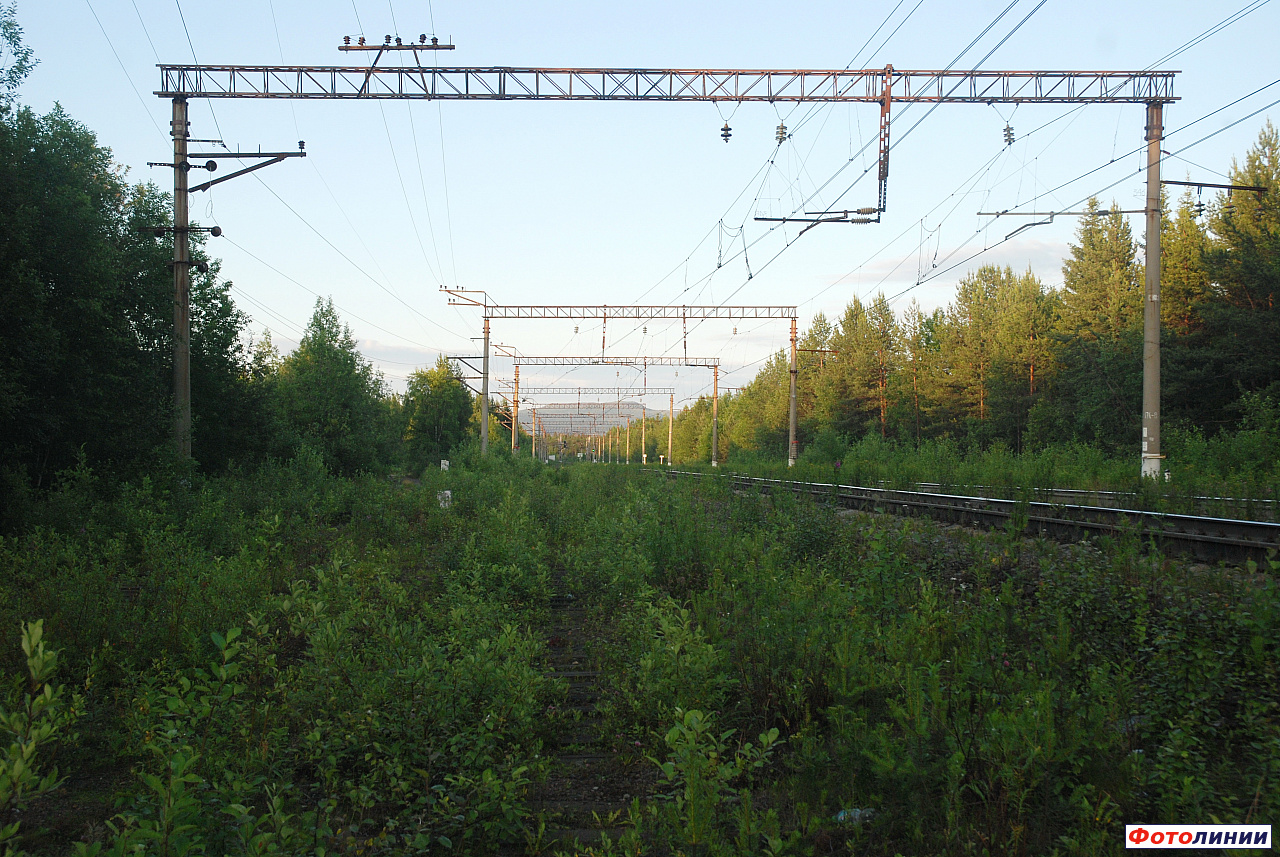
<point>725,132</point>
<point>202,267</point>
<point>867,211</point>
<point>216,232</point>
<point>398,42</point>
<point>361,40</point>
<point>346,40</point>
<point>1008,135</point>
<point>386,40</point>
<point>645,330</point>
<point>210,165</point>
<point>782,133</point>
<point>302,144</point>
<point>735,331</point>
<point>422,38</point>
<point>434,40</point>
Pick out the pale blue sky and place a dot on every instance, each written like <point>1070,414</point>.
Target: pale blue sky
<point>598,202</point>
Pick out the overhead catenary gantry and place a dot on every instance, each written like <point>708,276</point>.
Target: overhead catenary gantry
<point>500,83</point>
<point>592,420</point>
<point>639,312</point>
<point>882,86</point>
<point>597,360</point>
<point>599,391</point>
<point>712,363</point>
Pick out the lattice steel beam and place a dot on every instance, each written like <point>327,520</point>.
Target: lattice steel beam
<point>708,362</point>
<point>599,391</point>
<point>620,84</point>
<point>635,312</point>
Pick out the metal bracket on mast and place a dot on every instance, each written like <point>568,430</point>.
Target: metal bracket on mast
<point>274,158</point>
<point>882,174</point>
<point>1050,215</point>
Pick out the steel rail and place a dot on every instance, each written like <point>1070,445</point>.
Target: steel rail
<point>1259,510</point>
<point>1205,538</point>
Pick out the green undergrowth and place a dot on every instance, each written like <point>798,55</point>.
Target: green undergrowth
<point>286,662</point>
<point>1244,465</point>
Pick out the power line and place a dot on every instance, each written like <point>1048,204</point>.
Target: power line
<point>353,263</point>
<point>1123,178</point>
<point>190,44</point>
<point>951,65</point>
<point>305,288</point>
<point>116,54</point>
<point>1051,191</point>
<point>145,32</point>
<point>405,194</point>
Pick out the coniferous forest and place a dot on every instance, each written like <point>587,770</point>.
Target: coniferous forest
<point>297,643</point>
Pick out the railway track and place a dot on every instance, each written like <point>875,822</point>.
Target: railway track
<point>1243,508</point>
<point>1206,538</point>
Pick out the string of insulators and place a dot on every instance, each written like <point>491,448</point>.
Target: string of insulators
<point>726,132</point>
<point>1008,135</point>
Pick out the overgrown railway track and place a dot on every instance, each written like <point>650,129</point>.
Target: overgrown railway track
<point>1208,539</point>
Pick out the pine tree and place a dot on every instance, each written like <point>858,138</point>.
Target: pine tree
<point>968,339</point>
<point>1024,314</point>
<point>919,364</point>
<point>846,396</point>
<point>1184,273</point>
<point>1102,281</point>
<point>1238,350</point>
<point>885,341</point>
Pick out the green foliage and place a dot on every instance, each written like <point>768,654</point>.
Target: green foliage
<point>388,691</point>
<point>16,59</point>
<point>1011,362</point>
<point>1102,281</point>
<point>670,666</point>
<point>437,410</point>
<point>331,397</point>
<point>702,768</point>
<point>36,716</point>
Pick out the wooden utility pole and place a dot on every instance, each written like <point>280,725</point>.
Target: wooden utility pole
<point>1151,457</point>
<point>484,394</point>
<point>793,450</point>
<point>644,453</point>
<point>515,414</point>
<point>181,131</point>
<point>715,413</point>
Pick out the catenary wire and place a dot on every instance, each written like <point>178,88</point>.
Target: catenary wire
<point>127,77</point>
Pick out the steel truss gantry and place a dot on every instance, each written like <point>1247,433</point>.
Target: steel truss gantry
<point>599,391</point>
<point>598,360</point>
<point>684,312</point>
<point>500,83</point>
<point>882,86</point>
<point>639,313</point>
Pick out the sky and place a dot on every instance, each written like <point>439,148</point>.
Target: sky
<point>551,202</point>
